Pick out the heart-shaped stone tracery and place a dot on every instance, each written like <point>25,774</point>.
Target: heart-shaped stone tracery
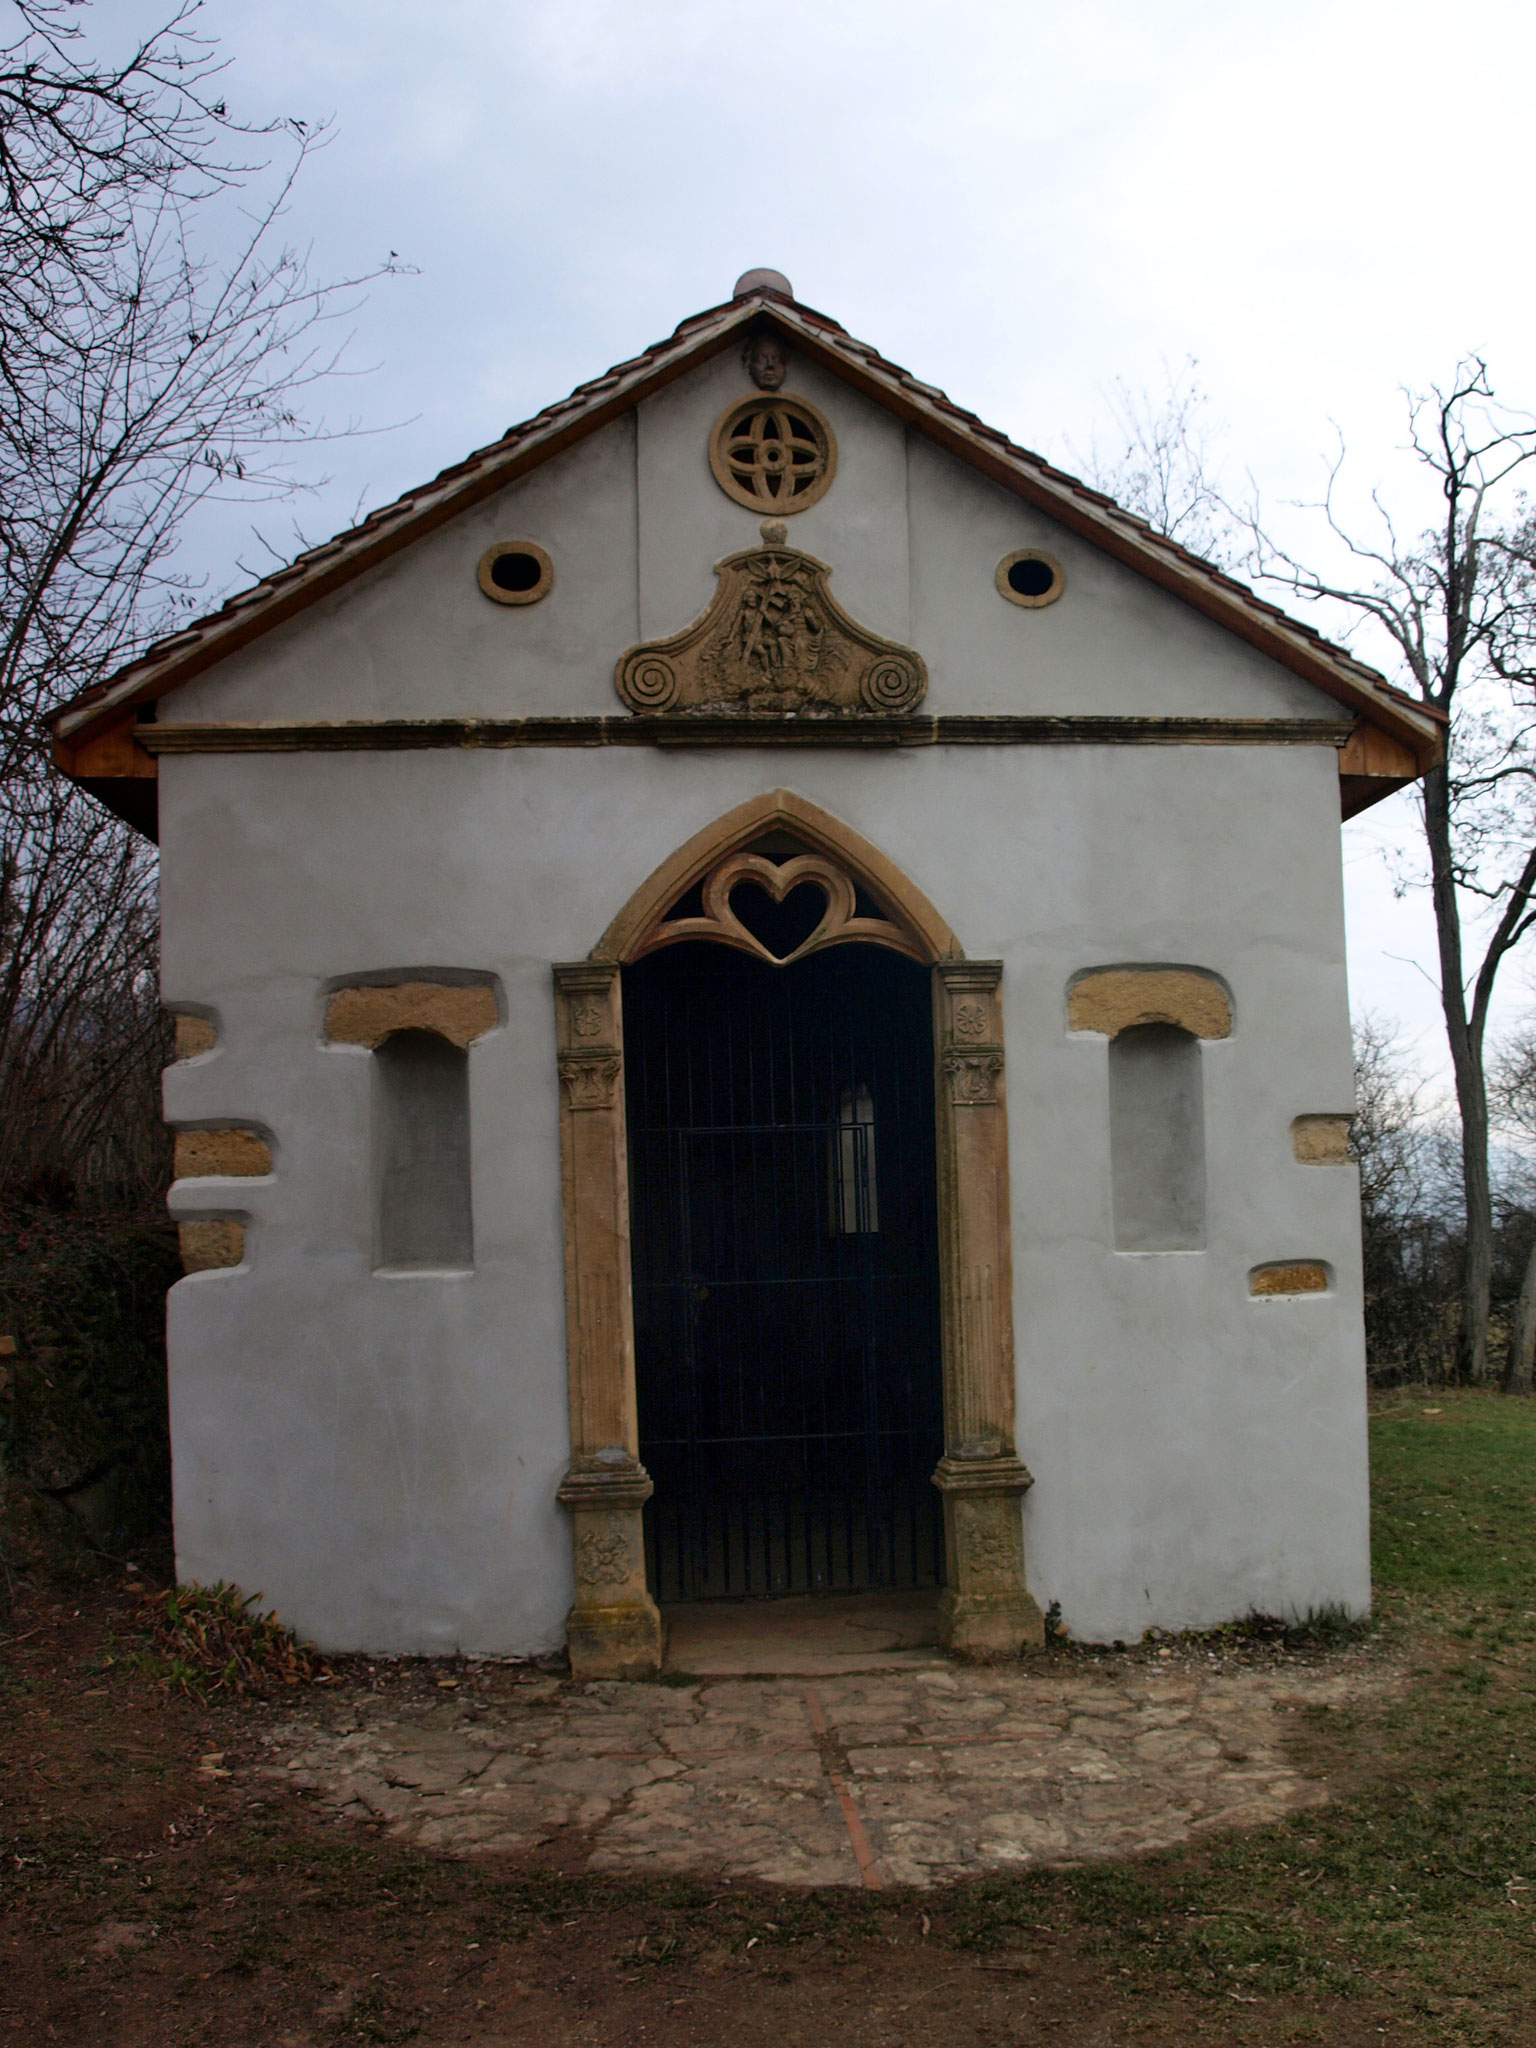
<point>779,910</point>
<point>774,927</point>
<point>781,928</point>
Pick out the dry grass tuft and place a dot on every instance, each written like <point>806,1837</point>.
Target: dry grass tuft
<point>214,1639</point>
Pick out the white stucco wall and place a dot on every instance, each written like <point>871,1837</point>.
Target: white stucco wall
<point>379,1455</point>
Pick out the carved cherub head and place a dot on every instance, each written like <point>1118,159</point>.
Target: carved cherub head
<point>767,361</point>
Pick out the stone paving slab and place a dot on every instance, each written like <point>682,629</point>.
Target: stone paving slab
<point>947,1771</point>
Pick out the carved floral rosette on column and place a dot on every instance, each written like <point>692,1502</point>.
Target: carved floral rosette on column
<point>986,1609</point>
<point>614,1629</point>
<point>774,642</point>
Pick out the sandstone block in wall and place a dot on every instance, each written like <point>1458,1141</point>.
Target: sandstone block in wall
<point>214,1241</point>
<point>231,1151</point>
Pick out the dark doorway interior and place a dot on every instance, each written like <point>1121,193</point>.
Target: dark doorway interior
<point>785,1264</point>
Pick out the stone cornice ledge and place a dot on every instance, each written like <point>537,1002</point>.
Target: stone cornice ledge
<point>389,735</point>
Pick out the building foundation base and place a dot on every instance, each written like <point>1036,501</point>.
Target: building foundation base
<point>614,1627</point>
<point>986,1611</point>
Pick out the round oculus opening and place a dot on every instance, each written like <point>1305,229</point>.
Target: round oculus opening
<point>1030,577</point>
<point>773,453</point>
<point>1027,578</point>
<point>515,572</point>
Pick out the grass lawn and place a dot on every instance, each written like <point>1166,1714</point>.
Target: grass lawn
<point>144,1900</point>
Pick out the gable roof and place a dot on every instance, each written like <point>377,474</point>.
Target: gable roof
<point>1395,739</point>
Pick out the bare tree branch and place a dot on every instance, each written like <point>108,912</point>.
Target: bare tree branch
<point>139,379</point>
<point>1457,608</point>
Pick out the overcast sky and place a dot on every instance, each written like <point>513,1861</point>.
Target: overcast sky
<point>1019,202</point>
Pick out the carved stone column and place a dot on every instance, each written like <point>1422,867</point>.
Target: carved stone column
<point>614,1629</point>
<point>986,1609</point>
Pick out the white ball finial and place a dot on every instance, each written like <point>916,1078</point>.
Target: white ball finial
<point>762,281</point>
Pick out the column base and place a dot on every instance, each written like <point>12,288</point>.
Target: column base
<point>986,1611</point>
<point>614,1627</point>
<point>615,1642</point>
<point>986,1629</point>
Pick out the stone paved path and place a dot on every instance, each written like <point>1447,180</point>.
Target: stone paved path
<point>894,1777</point>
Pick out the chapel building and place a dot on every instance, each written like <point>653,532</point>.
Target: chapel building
<point>760,1010</point>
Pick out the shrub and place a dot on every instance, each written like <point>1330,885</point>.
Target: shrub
<point>83,1424</point>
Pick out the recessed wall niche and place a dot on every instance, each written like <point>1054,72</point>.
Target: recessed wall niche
<point>418,1025</point>
<point>1154,1016</point>
<point>422,1214</point>
<point>1157,1139</point>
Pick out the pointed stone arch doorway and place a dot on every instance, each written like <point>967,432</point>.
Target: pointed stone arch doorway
<point>778,854</point>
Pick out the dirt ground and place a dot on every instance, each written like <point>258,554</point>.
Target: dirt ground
<point>159,1885</point>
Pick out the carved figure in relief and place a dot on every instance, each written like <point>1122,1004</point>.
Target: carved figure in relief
<point>766,361</point>
<point>778,632</point>
<point>773,642</point>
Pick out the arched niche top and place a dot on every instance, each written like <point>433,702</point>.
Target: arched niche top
<point>1111,999</point>
<point>835,859</point>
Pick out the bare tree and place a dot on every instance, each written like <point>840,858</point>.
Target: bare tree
<point>1457,606</point>
<point>1163,462</point>
<point>1410,1233</point>
<point>1512,1095</point>
<point>1385,1130</point>
<point>140,376</point>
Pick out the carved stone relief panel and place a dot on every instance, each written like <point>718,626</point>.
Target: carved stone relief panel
<point>773,641</point>
<point>591,1051</point>
<point>605,1556</point>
